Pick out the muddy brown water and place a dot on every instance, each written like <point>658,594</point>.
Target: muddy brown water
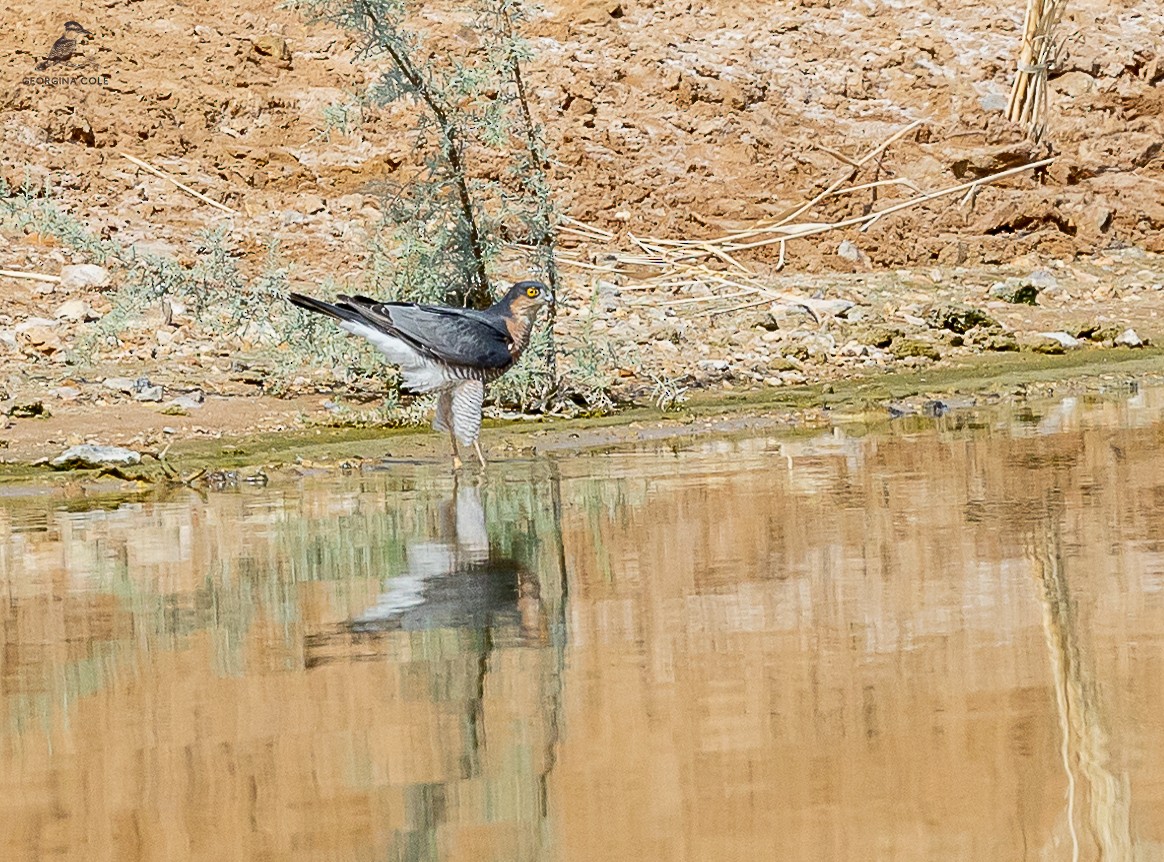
<point>941,642</point>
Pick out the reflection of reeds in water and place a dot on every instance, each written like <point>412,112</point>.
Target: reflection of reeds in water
<point>1084,738</point>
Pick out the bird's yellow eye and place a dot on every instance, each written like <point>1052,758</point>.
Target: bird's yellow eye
<point>531,292</point>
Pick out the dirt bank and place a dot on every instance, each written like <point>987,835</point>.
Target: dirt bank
<point>666,119</point>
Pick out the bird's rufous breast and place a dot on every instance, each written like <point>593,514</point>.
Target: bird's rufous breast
<point>519,322</point>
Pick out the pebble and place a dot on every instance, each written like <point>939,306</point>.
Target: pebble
<point>1015,291</point>
<point>41,338</point>
<point>1042,279</point>
<point>312,204</point>
<point>849,251</point>
<point>33,323</point>
<point>821,308</point>
<point>89,455</point>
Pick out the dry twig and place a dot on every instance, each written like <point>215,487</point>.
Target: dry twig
<point>146,166</point>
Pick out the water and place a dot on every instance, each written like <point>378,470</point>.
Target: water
<point>945,642</point>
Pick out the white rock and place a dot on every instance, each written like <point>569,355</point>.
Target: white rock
<point>848,250</point>
<point>149,393</point>
<point>1128,338</point>
<point>120,384</point>
<point>83,275</point>
<point>89,455</point>
<point>821,308</point>
<point>1042,279</point>
<point>75,309</point>
<point>193,401</point>
<point>1070,342</point>
<point>33,322</point>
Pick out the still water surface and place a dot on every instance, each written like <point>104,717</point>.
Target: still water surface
<point>944,642</point>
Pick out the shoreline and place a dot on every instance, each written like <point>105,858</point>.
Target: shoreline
<point>860,403</point>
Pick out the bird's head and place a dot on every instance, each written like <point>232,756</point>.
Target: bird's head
<point>527,298</point>
<point>74,27</point>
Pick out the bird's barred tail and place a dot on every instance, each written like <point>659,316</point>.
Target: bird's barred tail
<point>321,307</point>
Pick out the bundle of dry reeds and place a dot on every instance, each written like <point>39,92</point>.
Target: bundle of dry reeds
<point>1039,51</point>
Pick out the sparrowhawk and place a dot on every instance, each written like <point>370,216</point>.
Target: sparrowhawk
<point>453,352</point>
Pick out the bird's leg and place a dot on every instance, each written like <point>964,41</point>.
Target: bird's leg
<point>456,454</point>
<point>480,454</point>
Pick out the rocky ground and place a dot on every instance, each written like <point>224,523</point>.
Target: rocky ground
<point>667,120</point>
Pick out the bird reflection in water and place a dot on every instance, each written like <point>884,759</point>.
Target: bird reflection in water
<point>453,581</point>
<point>472,664</point>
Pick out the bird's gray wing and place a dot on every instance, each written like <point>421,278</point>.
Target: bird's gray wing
<point>458,336</point>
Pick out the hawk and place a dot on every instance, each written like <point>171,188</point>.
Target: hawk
<point>453,352</point>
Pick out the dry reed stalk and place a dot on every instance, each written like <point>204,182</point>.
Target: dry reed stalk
<point>897,207</point>
<point>581,264</point>
<point>146,166</point>
<point>715,312</point>
<point>589,228</point>
<point>1039,51</point>
<point>673,259</point>
<point>804,229</point>
<point>30,276</point>
<point>689,299</point>
<point>861,162</point>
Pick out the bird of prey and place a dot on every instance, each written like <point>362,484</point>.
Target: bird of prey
<point>65,47</point>
<point>453,352</point>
